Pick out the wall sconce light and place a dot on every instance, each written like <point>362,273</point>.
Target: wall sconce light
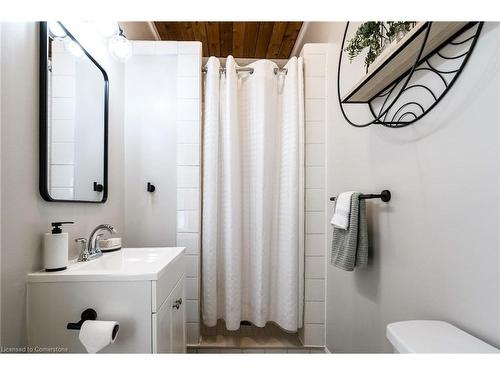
<point>120,47</point>
<point>107,29</point>
<point>73,47</point>
<point>56,30</point>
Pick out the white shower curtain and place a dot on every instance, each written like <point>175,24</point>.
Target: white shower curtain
<point>252,222</point>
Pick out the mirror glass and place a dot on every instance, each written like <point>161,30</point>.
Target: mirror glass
<point>73,119</point>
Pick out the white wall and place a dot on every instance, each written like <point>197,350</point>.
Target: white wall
<point>25,216</point>
<point>150,152</point>
<point>434,250</point>
<point>89,130</point>
<point>162,145</point>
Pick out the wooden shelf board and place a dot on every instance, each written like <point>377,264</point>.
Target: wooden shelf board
<point>399,58</point>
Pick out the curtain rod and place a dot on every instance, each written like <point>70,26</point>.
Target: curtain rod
<point>246,69</point>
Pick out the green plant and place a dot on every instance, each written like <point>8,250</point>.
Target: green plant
<point>374,35</point>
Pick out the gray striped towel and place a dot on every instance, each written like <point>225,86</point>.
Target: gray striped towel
<point>350,246</point>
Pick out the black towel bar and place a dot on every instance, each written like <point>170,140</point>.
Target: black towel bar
<point>385,195</point>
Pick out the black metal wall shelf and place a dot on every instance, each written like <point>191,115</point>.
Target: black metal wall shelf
<point>430,58</point>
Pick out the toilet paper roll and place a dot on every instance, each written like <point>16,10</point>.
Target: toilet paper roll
<point>97,334</point>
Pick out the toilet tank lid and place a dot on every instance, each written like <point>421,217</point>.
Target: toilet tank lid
<point>434,336</point>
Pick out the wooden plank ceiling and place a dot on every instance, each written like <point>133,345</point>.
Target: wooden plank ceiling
<point>272,40</point>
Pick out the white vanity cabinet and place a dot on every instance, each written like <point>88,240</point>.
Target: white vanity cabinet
<point>169,333</point>
<point>142,289</point>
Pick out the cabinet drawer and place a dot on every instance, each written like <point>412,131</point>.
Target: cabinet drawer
<point>161,288</point>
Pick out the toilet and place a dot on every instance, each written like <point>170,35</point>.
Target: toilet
<point>433,336</point>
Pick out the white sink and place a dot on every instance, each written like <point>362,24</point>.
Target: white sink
<point>147,263</point>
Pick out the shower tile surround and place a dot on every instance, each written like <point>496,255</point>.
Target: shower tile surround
<point>62,138</point>
<point>188,174</point>
<point>188,165</point>
<point>315,57</point>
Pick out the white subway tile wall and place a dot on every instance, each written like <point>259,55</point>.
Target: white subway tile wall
<point>63,130</point>
<point>315,87</point>
<point>313,333</point>
<point>62,193</point>
<point>315,177</point>
<point>188,65</point>
<point>61,88</point>
<point>193,310</point>
<point>315,222</point>
<point>315,245</point>
<point>188,177</point>
<point>315,267</point>
<point>64,64</point>
<point>315,109</point>
<point>188,154</point>
<point>166,48</point>
<point>315,132</point>
<point>62,176</point>
<point>316,64</point>
<point>188,199</point>
<point>63,108</point>
<point>315,312</point>
<point>187,88</point>
<point>192,266</point>
<point>315,154</point>
<point>189,132</point>
<point>145,47</point>
<point>315,199</point>
<point>188,109</point>
<point>63,153</point>
<point>192,289</point>
<point>188,174</point>
<point>188,221</point>
<point>315,290</point>
<point>192,333</point>
<point>190,48</point>
<point>191,241</point>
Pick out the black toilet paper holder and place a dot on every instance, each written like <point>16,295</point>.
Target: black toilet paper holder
<point>87,314</point>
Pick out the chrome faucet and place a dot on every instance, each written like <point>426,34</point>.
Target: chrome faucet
<point>90,249</point>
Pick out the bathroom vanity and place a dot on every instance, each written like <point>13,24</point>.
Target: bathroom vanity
<point>141,288</point>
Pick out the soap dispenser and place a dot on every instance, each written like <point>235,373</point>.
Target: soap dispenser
<point>55,248</point>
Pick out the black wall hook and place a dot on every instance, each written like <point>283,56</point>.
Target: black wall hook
<point>98,187</point>
<point>88,314</point>
<point>150,187</point>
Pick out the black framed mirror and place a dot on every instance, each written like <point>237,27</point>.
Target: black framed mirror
<point>74,95</point>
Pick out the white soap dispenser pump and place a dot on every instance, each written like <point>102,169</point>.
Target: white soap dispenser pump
<point>55,248</point>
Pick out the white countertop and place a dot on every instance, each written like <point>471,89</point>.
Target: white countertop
<point>148,263</point>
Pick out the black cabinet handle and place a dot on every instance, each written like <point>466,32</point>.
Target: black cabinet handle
<point>98,187</point>
<point>150,187</point>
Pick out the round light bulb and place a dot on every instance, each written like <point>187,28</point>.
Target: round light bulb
<point>73,47</point>
<point>120,47</point>
<point>56,30</point>
<point>108,29</point>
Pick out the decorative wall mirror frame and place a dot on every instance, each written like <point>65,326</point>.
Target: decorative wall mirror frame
<point>87,171</point>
